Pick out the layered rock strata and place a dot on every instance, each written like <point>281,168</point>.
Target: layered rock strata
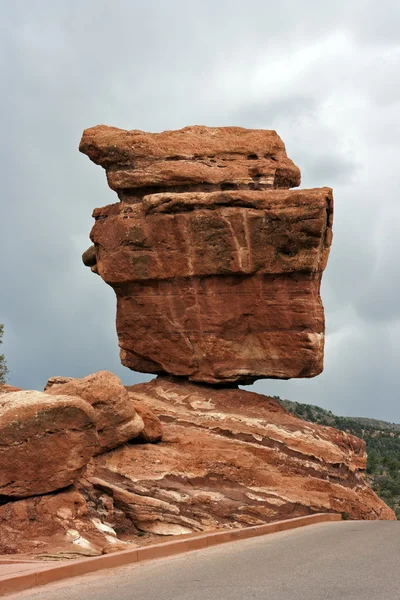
<point>232,458</point>
<point>216,270</point>
<point>227,459</point>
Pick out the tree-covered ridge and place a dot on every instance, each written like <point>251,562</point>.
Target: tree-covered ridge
<point>383,446</point>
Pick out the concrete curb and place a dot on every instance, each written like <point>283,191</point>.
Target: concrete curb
<point>45,574</point>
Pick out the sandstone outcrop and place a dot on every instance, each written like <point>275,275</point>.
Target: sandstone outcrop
<point>152,430</point>
<point>57,381</point>
<point>231,458</point>
<point>63,525</point>
<point>117,421</point>
<point>5,388</point>
<point>228,458</point>
<point>208,157</point>
<point>45,442</point>
<point>217,271</point>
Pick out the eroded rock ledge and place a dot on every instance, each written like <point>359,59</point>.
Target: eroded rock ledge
<point>217,271</point>
<point>138,163</point>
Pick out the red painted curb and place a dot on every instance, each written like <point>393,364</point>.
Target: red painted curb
<point>17,583</point>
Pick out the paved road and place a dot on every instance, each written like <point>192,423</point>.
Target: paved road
<point>351,560</point>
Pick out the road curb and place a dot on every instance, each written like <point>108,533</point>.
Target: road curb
<point>45,574</point>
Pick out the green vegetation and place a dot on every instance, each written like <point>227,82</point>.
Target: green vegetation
<point>383,446</point>
<point>3,364</point>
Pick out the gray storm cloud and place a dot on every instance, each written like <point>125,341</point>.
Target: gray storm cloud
<point>325,77</point>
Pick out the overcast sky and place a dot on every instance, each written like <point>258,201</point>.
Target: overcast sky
<point>325,75</point>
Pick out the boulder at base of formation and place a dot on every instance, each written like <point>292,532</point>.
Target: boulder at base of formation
<point>46,440</point>
<point>117,421</point>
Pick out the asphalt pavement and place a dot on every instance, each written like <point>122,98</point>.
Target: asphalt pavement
<point>348,560</point>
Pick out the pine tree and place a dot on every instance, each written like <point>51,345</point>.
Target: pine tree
<point>3,363</point>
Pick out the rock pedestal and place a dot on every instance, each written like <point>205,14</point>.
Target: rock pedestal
<point>233,458</point>
<point>215,262</point>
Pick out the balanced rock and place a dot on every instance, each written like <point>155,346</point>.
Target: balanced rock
<point>46,440</point>
<point>117,421</point>
<point>217,272</point>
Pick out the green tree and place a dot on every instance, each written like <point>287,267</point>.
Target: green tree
<point>373,461</point>
<point>3,363</point>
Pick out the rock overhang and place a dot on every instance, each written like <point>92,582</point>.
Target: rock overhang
<point>215,262</point>
<point>209,157</point>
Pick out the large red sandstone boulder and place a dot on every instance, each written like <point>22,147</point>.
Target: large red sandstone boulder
<point>217,273</point>
<point>232,458</point>
<point>117,421</point>
<point>46,440</point>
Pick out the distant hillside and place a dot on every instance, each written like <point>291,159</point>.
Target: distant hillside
<point>317,414</point>
<point>383,446</point>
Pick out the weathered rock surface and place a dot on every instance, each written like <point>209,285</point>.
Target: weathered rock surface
<point>57,381</point>
<point>64,525</point>
<point>208,157</point>
<point>45,441</point>
<point>228,458</point>
<point>152,431</point>
<point>117,421</point>
<point>5,388</point>
<point>231,458</point>
<point>217,273</point>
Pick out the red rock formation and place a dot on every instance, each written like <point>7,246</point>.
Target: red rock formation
<point>45,442</point>
<point>228,458</point>
<point>57,381</point>
<point>217,275</point>
<point>65,524</point>
<point>116,418</point>
<point>152,431</point>
<point>208,157</point>
<point>5,388</point>
<point>231,458</point>
<point>217,279</point>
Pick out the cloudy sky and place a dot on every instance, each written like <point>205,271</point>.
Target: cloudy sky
<point>324,75</point>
